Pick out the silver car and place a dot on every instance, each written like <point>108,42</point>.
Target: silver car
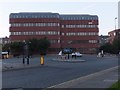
<point>78,54</point>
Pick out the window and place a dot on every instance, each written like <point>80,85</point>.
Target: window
<point>92,41</point>
<point>62,26</point>
<point>63,34</point>
<point>58,41</point>
<point>58,33</point>
<point>58,24</point>
<point>67,34</point>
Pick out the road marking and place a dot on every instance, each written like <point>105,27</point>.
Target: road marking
<point>108,80</point>
<point>18,89</point>
<point>117,75</point>
<point>71,60</point>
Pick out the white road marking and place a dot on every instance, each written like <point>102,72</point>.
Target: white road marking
<point>109,80</point>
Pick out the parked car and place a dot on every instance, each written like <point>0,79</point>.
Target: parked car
<point>67,51</point>
<point>4,55</point>
<point>78,54</point>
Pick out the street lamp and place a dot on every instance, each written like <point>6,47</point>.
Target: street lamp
<point>115,22</point>
<point>69,43</point>
<point>26,52</point>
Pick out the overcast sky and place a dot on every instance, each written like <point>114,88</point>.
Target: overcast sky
<point>106,11</point>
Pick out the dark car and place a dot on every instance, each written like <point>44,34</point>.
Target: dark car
<point>67,51</point>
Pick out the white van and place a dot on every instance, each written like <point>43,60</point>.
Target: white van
<point>4,55</point>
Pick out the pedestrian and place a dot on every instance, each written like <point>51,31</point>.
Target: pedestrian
<point>73,55</point>
<point>99,54</point>
<point>102,54</point>
<point>60,54</point>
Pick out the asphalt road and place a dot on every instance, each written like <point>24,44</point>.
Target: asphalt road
<point>55,72</point>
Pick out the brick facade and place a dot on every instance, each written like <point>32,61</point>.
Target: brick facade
<point>79,32</point>
<point>114,34</point>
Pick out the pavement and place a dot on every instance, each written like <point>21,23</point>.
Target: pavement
<point>102,79</point>
<point>8,66</point>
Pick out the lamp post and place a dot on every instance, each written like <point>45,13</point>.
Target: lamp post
<point>26,52</point>
<point>115,22</point>
<point>69,43</point>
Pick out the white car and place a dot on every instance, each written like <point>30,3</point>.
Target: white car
<point>78,54</point>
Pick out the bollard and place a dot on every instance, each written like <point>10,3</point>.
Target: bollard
<point>42,60</point>
<point>7,56</point>
<point>27,60</point>
<point>23,60</point>
<point>68,55</point>
<point>65,57</point>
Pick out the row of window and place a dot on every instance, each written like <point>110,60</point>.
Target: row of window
<point>76,41</point>
<point>81,33</point>
<point>63,17</point>
<point>34,16</point>
<point>82,50</point>
<point>33,24</point>
<point>52,24</point>
<point>86,49</point>
<point>79,26</point>
<point>55,33</point>
<point>93,41</point>
<point>78,18</point>
<point>82,41</point>
<point>54,41</point>
<point>36,33</point>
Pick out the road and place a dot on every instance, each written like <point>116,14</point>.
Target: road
<point>55,72</point>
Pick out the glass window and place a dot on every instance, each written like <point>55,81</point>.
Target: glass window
<point>27,33</point>
<point>63,34</point>
<point>66,26</point>
<point>67,34</point>
<point>85,33</point>
<point>54,33</point>
<point>39,24</point>
<point>62,26</point>
<point>58,33</point>
<point>58,24</point>
<point>43,24</point>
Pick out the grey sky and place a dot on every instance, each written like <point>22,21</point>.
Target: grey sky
<point>106,11</point>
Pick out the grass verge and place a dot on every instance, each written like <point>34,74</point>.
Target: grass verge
<point>115,86</point>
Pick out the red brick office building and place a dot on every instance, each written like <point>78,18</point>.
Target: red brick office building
<point>113,35</point>
<point>74,31</point>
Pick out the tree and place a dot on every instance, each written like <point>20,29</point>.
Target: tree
<point>116,45</point>
<point>38,46</point>
<point>33,46</point>
<point>16,48</point>
<point>43,44</point>
<point>6,47</point>
<point>106,48</point>
<point>113,48</point>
